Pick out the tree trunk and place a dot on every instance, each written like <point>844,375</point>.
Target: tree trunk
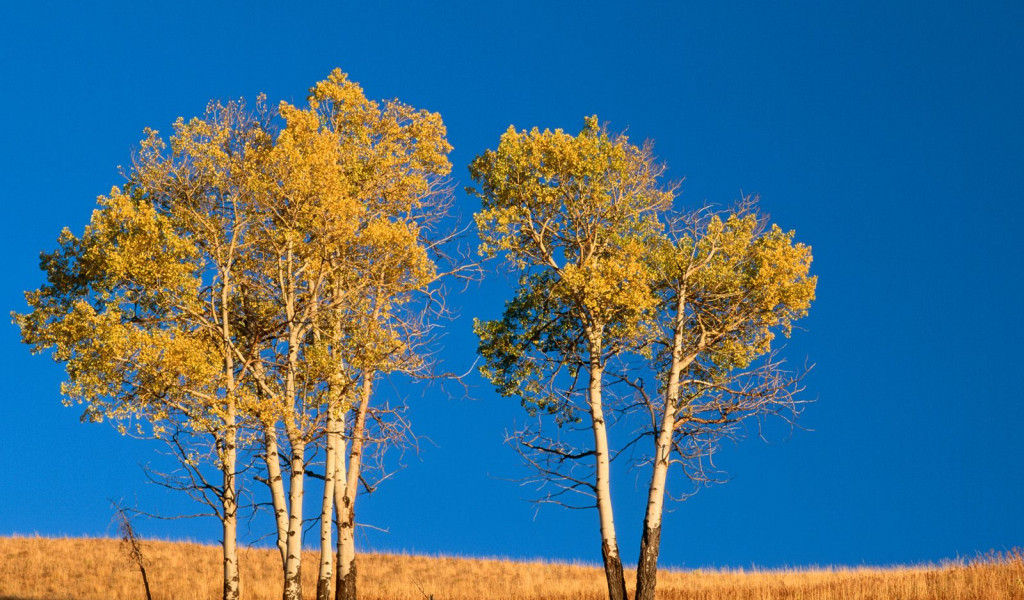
<point>230,508</point>
<point>650,542</point>
<point>346,579</point>
<point>335,429</point>
<point>293,557</point>
<point>609,544</point>
<point>346,584</point>
<point>297,446</point>
<point>229,454</point>
<point>341,518</point>
<point>272,457</point>
<point>326,572</point>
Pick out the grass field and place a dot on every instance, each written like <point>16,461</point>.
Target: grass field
<point>97,569</point>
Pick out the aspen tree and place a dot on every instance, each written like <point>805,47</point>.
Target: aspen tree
<point>394,158</point>
<point>353,189</point>
<point>141,308</point>
<point>308,218</point>
<point>728,284</point>
<point>575,216</point>
<point>244,283</point>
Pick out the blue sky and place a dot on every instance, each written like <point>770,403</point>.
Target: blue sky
<point>890,136</point>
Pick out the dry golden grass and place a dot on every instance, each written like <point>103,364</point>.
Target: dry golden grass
<point>96,569</point>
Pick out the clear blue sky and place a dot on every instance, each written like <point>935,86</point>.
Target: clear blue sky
<point>890,136</point>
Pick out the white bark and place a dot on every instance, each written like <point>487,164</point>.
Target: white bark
<point>275,482</point>
<point>297,456</point>
<point>326,572</point>
<point>229,540</point>
<point>609,543</point>
<point>650,542</point>
<point>293,553</point>
<point>340,492</point>
<point>229,452</point>
<point>346,584</point>
<point>663,446</point>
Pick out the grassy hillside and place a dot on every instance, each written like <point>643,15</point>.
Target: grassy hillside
<point>97,569</point>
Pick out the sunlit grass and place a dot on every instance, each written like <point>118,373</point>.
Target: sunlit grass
<point>85,569</point>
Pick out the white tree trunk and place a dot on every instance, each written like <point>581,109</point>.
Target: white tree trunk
<point>296,442</point>
<point>287,508</point>
<point>340,492</point>
<point>229,453</point>
<point>335,429</point>
<point>326,572</point>
<point>650,542</point>
<point>278,499</point>
<point>230,508</point>
<point>293,554</point>
<point>346,584</point>
<point>609,543</point>
<point>346,578</point>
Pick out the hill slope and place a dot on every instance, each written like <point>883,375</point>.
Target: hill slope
<point>34,568</point>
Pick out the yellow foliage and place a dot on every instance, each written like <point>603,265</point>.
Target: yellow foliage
<point>232,232</point>
<point>741,282</point>
<point>577,215</point>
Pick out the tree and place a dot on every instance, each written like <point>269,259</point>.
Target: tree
<point>726,287</point>
<point>254,279</point>
<point>141,308</point>
<point>394,159</point>
<point>353,190</point>
<point>616,293</point>
<point>576,216</point>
